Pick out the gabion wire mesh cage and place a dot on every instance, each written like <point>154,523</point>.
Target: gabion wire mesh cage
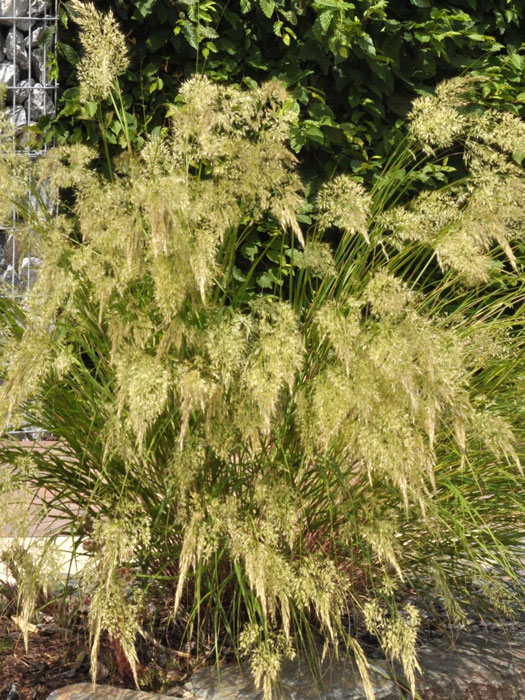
<point>27,35</point>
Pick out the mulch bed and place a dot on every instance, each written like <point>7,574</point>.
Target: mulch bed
<point>57,657</point>
<point>54,658</point>
<point>51,661</point>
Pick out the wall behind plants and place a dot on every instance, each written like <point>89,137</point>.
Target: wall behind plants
<point>353,68</point>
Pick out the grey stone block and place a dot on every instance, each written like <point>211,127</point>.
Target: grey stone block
<point>35,36</point>
<point>15,49</point>
<point>9,74</point>
<point>40,103</point>
<point>38,63</point>
<point>22,91</point>
<point>338,681</point>
<point>29,270</point>
<point>39,7</point>
<point>18,116</point>
<point>9,276</point>
<point>12,8</point>
<point>84,691</point>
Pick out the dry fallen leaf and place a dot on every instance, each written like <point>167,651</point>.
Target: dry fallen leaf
<point>24,624</point>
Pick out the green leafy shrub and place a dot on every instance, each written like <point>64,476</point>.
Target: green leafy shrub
<point>352,68</point>
<point>275,433</point>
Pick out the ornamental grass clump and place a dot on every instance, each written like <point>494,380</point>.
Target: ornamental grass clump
<point>279,433</point>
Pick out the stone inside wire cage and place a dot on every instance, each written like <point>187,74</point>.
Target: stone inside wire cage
<point>27,37</point>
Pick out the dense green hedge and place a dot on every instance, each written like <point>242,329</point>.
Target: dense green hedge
<point>352,68</point>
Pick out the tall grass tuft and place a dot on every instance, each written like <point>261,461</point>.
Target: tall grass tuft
<point>276,464</point>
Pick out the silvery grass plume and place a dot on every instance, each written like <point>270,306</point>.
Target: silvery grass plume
<point>14,171</point>
<point>149,248</point>
<point>105,54</point>
<point>113,608</point>
<point>344,203</point>
<point>32,564</point>
<point>388,387</point>
<point>463,222</point>
<point>294,447</point>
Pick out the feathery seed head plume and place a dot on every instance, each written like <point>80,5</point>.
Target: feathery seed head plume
<point>344,203</point>
<point>437,121</point>
<point>105,51</point>
<point>434,124</point>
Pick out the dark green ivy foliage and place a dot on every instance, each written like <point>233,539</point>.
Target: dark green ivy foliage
<point>353,68</point>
